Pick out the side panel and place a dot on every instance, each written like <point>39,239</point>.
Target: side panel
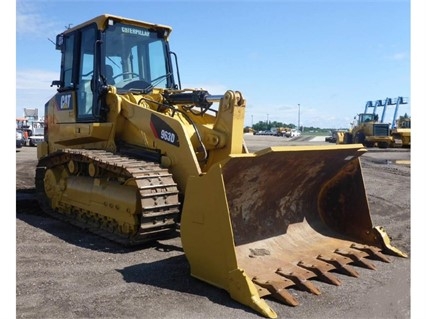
<point>62,108</point>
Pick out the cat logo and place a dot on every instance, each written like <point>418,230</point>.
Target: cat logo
<point>65,102</point>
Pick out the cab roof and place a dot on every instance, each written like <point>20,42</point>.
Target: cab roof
<point>101,22</point>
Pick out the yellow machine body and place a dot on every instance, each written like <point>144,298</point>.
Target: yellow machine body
<point>138,159</point>
<point>401,135</point>
<point>369,131</point>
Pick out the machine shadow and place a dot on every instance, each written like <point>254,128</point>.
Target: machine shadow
<point>28,210</point>
<point>174,274</point>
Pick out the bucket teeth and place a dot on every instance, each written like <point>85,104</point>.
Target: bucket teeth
<point>373,252</point>
<point>357,258</point>
<point>300,279</point>
<point>321,271</point>
<point>340,263</point>
<point>277,288</point>
<point>320,268</point>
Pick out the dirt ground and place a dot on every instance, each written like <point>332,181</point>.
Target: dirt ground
<point>64,272</point>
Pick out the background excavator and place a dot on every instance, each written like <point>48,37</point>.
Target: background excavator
<point>130,155</point>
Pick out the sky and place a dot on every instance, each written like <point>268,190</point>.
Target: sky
<point>327,58</point>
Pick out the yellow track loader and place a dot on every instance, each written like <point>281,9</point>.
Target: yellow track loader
<point>401,134</point>
<point>131,155</point>
<point>401,127</point>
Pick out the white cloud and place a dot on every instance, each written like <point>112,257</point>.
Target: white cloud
<point>33,89</point>
<point>32,79</point>
<point>399,56</point>
<point>31,23</point>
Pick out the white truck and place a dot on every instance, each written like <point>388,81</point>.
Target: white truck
<point>37,136</point>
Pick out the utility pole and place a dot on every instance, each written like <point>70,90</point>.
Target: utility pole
<point>298,119</point>
<point>267,121</point>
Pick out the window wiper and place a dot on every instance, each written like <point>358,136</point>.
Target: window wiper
<point>135,86</point>
<point>160,78</point>
<point>154,82</point>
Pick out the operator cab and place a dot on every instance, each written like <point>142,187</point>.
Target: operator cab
<point>367,117</point>
<point>111,51</point>
<point>406,123</point>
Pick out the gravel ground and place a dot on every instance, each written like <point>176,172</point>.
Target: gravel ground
<point>64,272</point>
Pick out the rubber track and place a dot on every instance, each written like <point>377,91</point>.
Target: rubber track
<point>164,191</point>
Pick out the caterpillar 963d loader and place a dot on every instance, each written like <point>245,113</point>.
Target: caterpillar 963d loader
<point>132,156</point>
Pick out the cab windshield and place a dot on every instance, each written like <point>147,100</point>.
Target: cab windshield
<point>135,58</point>
<point>366,117</point>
